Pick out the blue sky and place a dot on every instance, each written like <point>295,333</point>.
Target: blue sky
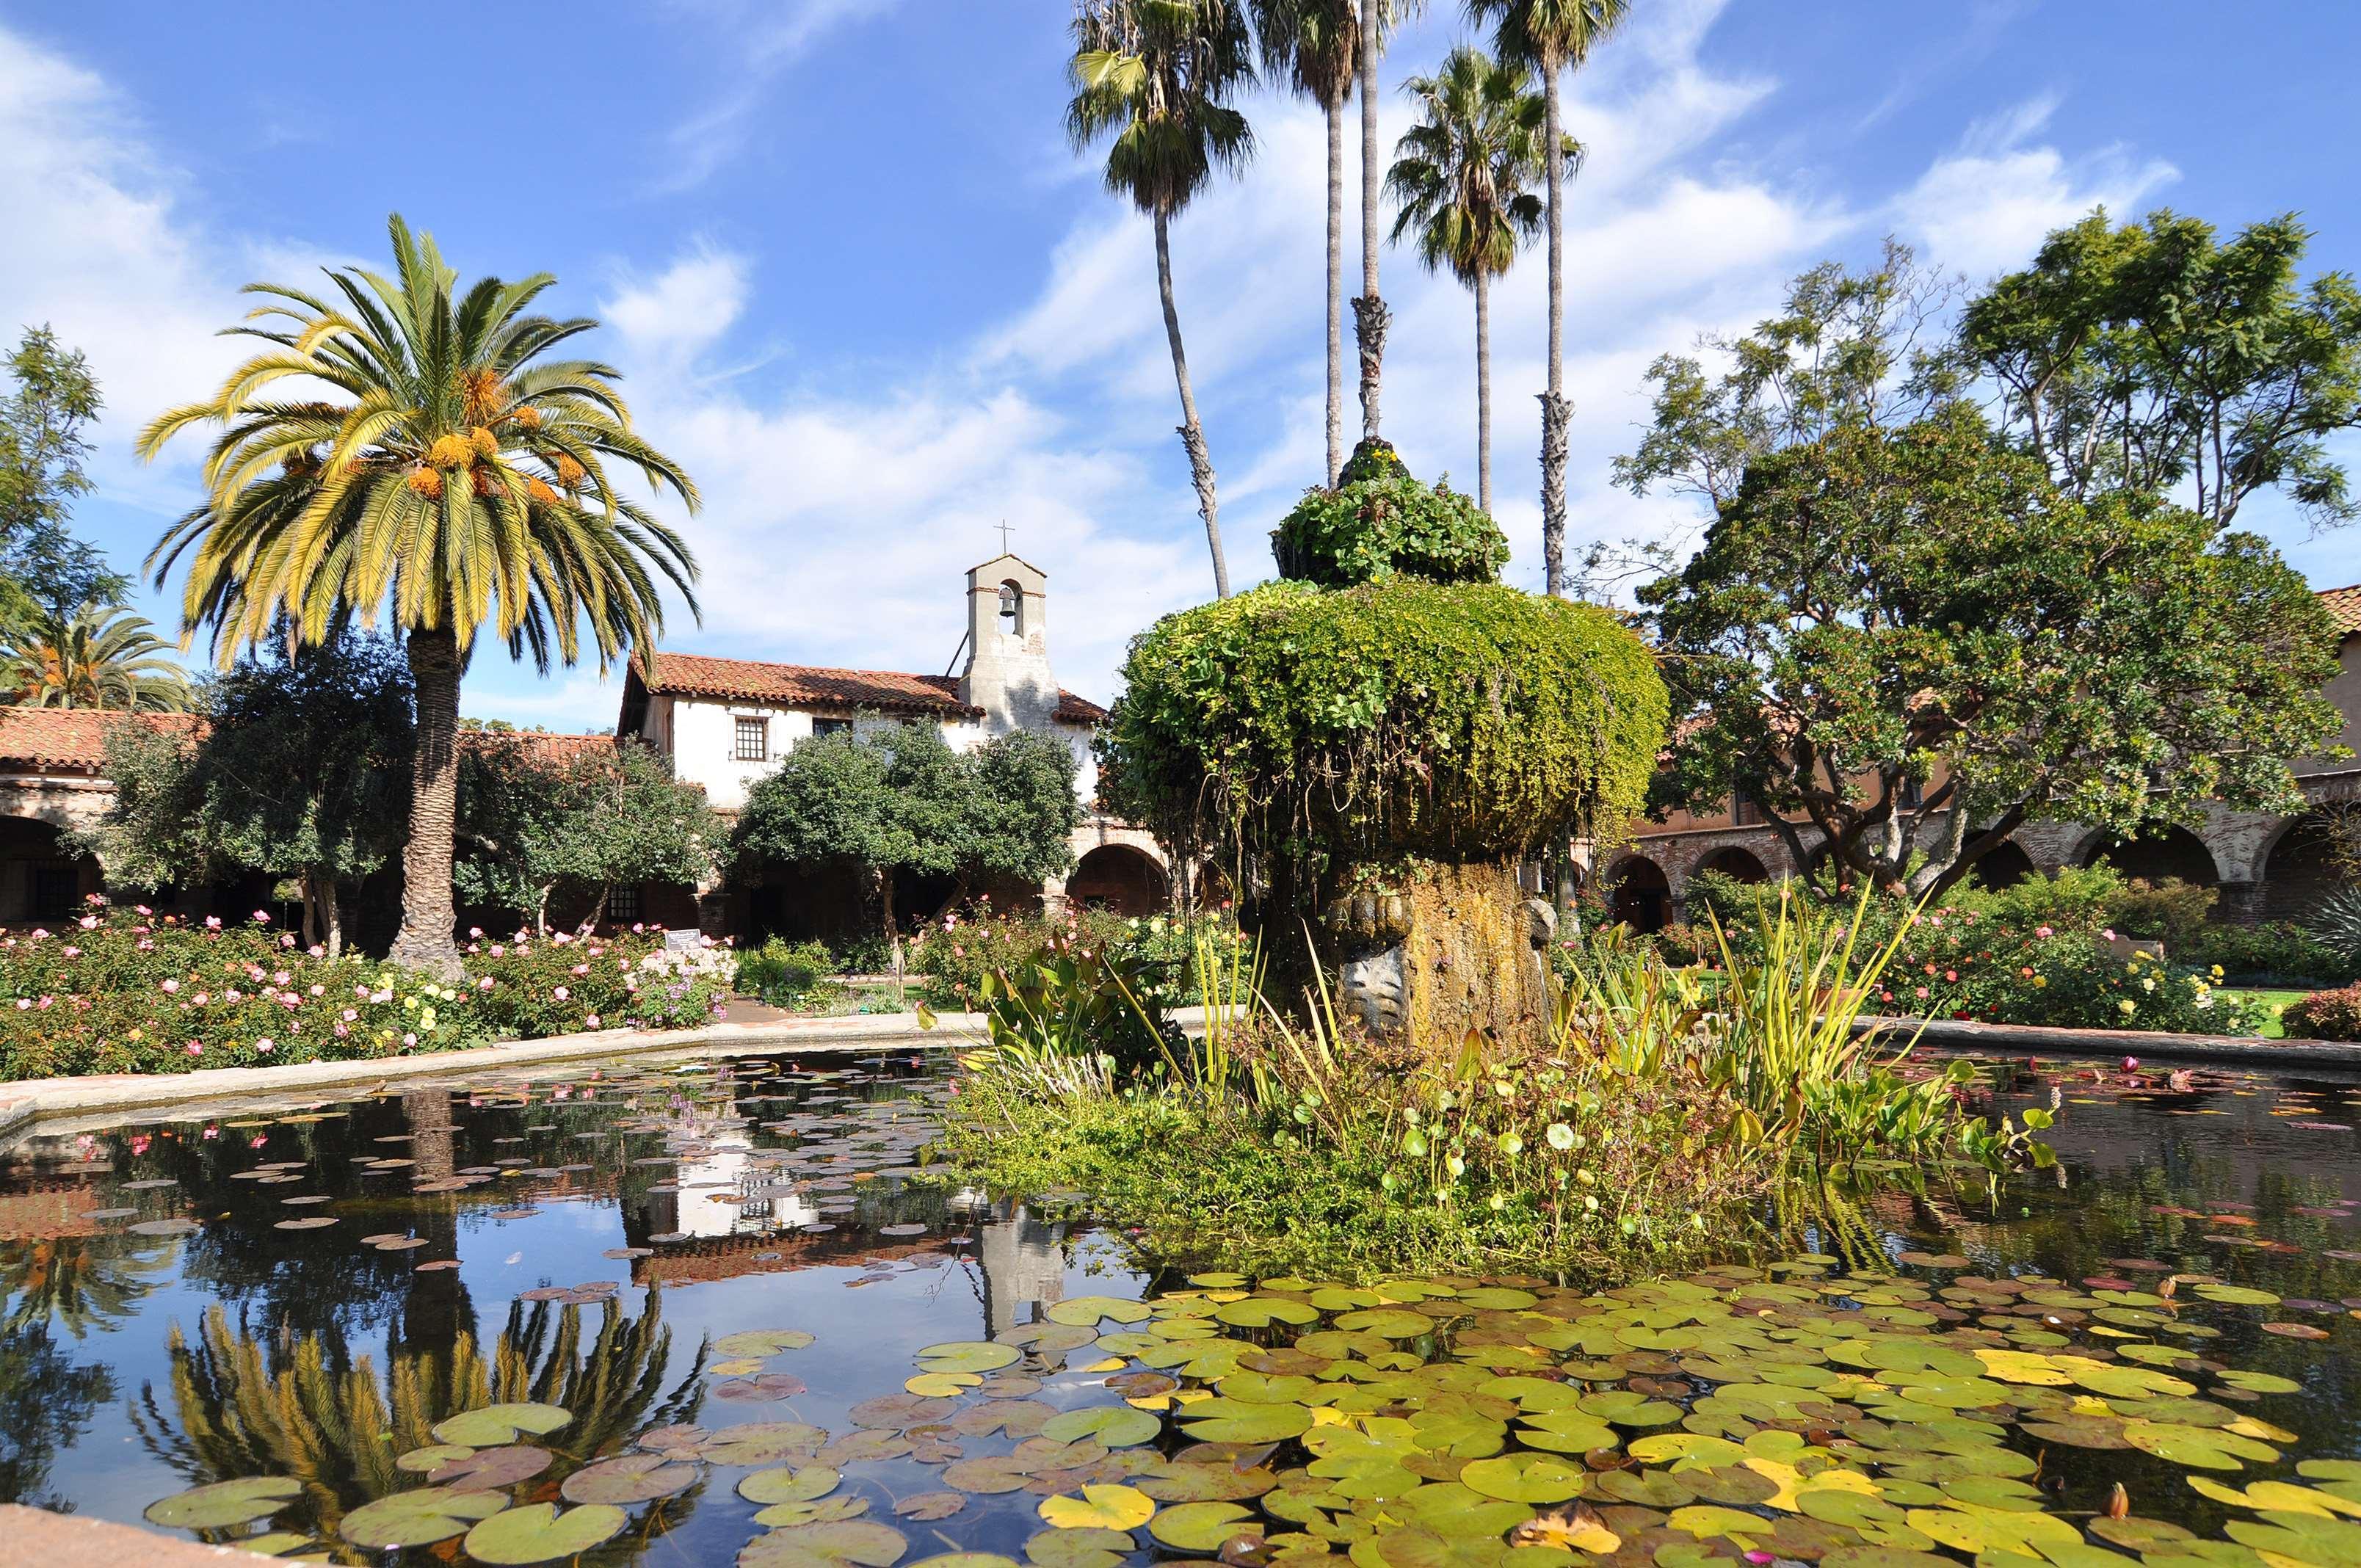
<point>863,290</point>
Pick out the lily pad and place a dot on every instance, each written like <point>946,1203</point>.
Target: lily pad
<point>1080,1547</point>
<point>1202,1526</point>
<point>1087,1312</point>
<point>1524,1478</point>
<point>488,1469</point>
<point>1100,1508</point>
<point>1115,1426</point>
<point>1262,1312</point>
<point>863,1542</point>
<point>418,1517</point>
<point>971,1356</point>
<point>537,1533</point>
<point>787,1484</point>
<point>224,1503</point>
<point>930,1506</point>
<point>494,1425</point>
<point>628,1478</point>
<point>761,1342</point>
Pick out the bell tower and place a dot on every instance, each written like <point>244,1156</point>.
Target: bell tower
<point>1007,673</point>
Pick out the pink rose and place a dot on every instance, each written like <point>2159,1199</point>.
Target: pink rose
<point>196,1050</point>
<point>262,917</point>
<point>559,993</point>
<point>171,986</point>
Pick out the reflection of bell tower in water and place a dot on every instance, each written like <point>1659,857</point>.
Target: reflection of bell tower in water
<point>1023,1261</point>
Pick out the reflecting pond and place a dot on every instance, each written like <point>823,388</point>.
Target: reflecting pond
<point>729,1311</point>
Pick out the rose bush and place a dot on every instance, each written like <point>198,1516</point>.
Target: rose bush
<point>123,990</point>
<point>955,953</point>
<point>2325,1016</point>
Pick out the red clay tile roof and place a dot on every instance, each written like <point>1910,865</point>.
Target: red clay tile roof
<point>554,750</point>
<point>2345,604</point>
<point>70,741</point>
<point>749,680</point>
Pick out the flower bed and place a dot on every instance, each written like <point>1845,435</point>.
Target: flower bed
<point>126,990</point>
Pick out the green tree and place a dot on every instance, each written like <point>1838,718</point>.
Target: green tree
<point>1463,176</point>
<point>455,478</point>
<point>42,449</point>
<point>904,801</point>
<point>606,818</point>
<point>1315,45</point>
<point>1911,640</point>
<point>1155,78</point>
<point>96,656</point>
<point>301,772</point>
<point>1553,36</point>
<point>2154,356</point>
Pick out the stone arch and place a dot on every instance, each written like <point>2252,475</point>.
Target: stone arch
<point>1736,864</point>
<point>42,878</point>
<point>2157,853</point>
<point>1121,879</point>
<point>2306,862</point>
<point>1639,895</point>
<point>2001,868</point>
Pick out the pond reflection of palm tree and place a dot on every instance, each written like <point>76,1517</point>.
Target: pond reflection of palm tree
<point>246,1406</point>
<point>78,1282</point>
<point>46,1400</point>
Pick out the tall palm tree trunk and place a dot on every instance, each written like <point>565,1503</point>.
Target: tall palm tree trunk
<point>1484,389</point>
<point>1192,435</point>
<point>1555,410</point>
<point>1335,284</point>
<point>427,917</point>
<point>1369,311</point>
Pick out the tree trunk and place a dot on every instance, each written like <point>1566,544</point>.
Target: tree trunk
<point>425,941</point>
<point>1192,435</point>
<point>1484,391</point>
<point>310,884</point>
<point>1555,410</point>
<point>1335,285</point>
<point>333,905</point>
<point>1369,314</point>
<point>541,911</point>
<point>881,887</point>
<point>1439,951</point>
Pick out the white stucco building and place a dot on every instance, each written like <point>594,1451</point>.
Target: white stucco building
<point>726,723</point>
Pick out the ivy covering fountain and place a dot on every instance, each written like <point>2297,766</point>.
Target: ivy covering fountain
<point>1383,737</point>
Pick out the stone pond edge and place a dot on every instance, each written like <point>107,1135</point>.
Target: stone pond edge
<point>2018,1039</point>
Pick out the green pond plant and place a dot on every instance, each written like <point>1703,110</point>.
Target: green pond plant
<point>1385,735</point>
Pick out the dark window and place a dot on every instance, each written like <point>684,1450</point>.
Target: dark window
<point>753,740</point>
<point>831,727</point>
<point>622,904</point>
<point>1743,811</point>
<point>1913,794</point>
<point>56,886</point>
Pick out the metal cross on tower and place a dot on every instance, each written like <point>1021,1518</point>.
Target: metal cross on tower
<point>1004,536</point>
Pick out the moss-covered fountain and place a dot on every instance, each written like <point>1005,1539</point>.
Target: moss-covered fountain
<point>1379,741</point>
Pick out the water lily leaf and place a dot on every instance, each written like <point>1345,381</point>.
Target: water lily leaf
<point>1202,1526</point>
<point>2137,1533</point>
<point>495,1425</point>
<point>418,1517</point>
<point>1687,1451</point>
<point>1115,1426</point>
<point>1182,1481</point>
<point>1706,1521</point>
<point>1387,1322</point>
<point>2237,1296</point>
<point>763,1388</point>
<point>539,1533</point>
<point>968,1355</point>
<point>930,1506</point>
<point>1524,1478</point>
<point>1079,1548</point>
<point>1969,1528</point>
<point>1645,1488</point>
<point>819,1512</point>
<point>2326,1543</point>
<point>2023,1366</point>
<point>965,1559</point>
<point>433,1456</point>
<point>277,1543</point>
<point>1463,1435</point>
<point>224,1503</point>
<point>767,1443</point>
<point>1261,1312</point>
<point>1086,1311</point>
<point>2261,1382</point>
<point>628,1478</point>
<point>1230,1420</point>
<point>761,1342</point>
<point>789,1484</point>
<point>2330,1469</point>
<point>899,1412</point>
<point>863,1542</point>
<point>1099,1508</point>
<point>488,1469</point>
<point>941,1384</point>
<point>2117,1381</point>
<point>2203,1448</point>
<point>1878,1556</point>
<point>1565,1432</point>
<point>1574,1527</point>
<point>1626,1408</point>
<point>1451,1509</point>
<point>989,1476</point>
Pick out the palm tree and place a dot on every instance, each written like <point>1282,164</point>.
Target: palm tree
<point>1370,316</point>
<point>99,656</point>
<point>1157,76</point>
<point>455,478</point>
<point>1463,176</point>
<point>1552,37</point>
<point>1315,45</point>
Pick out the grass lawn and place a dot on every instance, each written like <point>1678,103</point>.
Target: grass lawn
<point>2269,998</point>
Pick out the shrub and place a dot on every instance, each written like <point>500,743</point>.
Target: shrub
<point>2278,953</point>
<point>956,954</point>
<point>125,991</point>
<point>786,974</point>
<point>2172,909</point>
<point>2325,1016</point>
<point>1367,530</point>
<point>2337,922</point>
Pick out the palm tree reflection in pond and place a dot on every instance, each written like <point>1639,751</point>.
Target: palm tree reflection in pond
<point>304,1407</point>
<point>78,1282</point>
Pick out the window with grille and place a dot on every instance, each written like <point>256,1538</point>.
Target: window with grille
<point>753,740</point>
<point>622,904</point>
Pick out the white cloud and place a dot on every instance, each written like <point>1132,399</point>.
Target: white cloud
<point>670,319</point>
<point>1984,206</point>
<point>758,42</point>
